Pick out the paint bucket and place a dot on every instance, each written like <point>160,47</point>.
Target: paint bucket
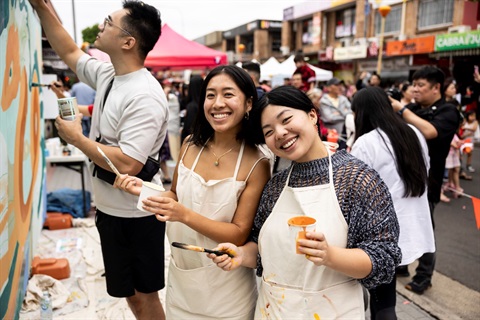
<point>299,226</point>
<point>67,108</point>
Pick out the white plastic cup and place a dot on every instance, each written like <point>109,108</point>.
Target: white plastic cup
<point>148,190</point>
<point>67,108</point>
<point>299,226</point>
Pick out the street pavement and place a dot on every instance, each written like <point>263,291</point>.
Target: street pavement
<point>455,292</point>
<point>456,281</point>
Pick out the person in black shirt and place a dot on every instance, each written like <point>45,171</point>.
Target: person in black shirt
<point>430,105</point>
<point>254,71</point>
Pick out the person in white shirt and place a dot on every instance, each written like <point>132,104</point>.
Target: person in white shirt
<point>399,153</point>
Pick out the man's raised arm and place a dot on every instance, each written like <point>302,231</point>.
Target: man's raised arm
<point>58,37</point>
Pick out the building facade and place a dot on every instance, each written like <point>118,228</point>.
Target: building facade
<point>345,36</point>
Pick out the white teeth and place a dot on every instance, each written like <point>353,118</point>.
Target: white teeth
<point>220,116</point>
<point>288,144</point>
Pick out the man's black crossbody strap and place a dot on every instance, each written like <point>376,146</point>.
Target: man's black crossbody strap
<point>149,170</point>
<point>107,91</point>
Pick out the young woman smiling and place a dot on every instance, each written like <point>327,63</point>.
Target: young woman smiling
<point>215,192</point>
<point>357,231</point>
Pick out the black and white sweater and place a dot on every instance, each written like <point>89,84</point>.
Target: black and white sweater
<point>364,200</point>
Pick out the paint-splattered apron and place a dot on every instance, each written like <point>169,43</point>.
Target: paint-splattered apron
<point>292,287</point>
<point>197,288</point>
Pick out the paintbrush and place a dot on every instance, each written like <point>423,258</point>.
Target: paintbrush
<point>199,249</point>
<point>110,164</point>
<point>35,84</point>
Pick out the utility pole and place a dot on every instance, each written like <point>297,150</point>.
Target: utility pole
<point>74,22</point>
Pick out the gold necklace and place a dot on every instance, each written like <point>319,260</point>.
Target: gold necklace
<point>216,163</point>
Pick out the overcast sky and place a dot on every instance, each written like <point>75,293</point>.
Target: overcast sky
<point>190,18</point>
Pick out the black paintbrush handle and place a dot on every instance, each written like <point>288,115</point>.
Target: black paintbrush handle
<point>199,249</point>
<point>218,253</point>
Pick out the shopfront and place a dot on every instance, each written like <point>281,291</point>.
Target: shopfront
<point>460,51</point>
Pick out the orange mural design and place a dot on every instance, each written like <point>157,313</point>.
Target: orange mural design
<point>27,156</point>
<point>11,78</point>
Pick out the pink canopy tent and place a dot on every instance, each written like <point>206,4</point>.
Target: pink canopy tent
<point>173,51</point>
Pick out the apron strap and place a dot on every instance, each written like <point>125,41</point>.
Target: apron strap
<point>198,156</point>
<point>253,167</point>
<point>185,152</point>
<point>330,166</point>
<point>239,160</point>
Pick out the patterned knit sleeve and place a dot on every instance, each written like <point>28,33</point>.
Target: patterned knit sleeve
<point>270,195</point>
<point>373,225</point>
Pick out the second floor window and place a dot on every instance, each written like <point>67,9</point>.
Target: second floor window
<point>434,12</point>
<point>345,24</point>
<point>392,22</point>
<point>307,31</point>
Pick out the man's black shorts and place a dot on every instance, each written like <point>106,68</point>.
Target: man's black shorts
<point>133,253</point>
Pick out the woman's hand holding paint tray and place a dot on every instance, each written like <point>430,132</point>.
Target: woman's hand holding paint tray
<point>199,249</point>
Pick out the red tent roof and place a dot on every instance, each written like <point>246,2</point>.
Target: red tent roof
<point>172,50</point>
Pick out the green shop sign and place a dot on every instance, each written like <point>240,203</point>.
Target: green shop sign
<point>457,41</point>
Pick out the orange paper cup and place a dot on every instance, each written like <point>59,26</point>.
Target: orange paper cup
<point>299,226</point>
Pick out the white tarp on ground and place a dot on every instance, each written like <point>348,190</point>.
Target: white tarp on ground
<point>287,68</point>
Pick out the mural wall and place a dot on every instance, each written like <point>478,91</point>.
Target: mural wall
<point>22,165</point>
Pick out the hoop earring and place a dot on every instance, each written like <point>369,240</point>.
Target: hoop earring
<point>247,115</point>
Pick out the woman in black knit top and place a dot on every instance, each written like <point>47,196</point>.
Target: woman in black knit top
<point>357,231</point>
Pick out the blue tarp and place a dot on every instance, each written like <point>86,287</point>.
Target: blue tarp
<point>68,201</point>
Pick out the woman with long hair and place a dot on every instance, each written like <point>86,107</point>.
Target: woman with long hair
<point>215,192</point>
<point>399,153</point>
<point>355,241</point>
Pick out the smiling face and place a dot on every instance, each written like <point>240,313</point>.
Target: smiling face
<point>291,133</point>
<point>225,104</point>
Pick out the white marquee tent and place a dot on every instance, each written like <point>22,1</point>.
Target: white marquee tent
<point>287,68</point>
<point>269,68</point>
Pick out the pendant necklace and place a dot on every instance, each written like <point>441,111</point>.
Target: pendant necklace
<point>216,163</point>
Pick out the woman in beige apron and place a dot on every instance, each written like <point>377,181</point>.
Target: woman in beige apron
<point>196,287</point>
<point>356,228</point>
<point>214,196</point>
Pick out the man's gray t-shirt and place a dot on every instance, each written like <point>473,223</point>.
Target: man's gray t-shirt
<point>134,118</point>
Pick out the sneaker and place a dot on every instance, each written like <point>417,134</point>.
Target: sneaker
<point>402,271</point>
<point>470,169</point>
<point>419,287</point>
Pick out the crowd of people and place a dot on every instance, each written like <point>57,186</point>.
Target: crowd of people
<point>373,193</point>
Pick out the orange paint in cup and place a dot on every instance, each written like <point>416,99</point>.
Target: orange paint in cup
<point>299,226</point>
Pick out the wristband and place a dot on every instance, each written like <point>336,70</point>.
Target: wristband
<point>400,112</point>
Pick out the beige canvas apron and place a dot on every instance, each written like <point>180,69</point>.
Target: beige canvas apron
<point>197,288</point>
<point>292,287</point>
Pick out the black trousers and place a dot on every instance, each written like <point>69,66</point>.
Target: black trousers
<point>382,301</point>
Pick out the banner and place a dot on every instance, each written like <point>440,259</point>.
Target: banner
<point>457,41</point>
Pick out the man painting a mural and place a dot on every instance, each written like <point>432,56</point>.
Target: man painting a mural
<point>130,106</point>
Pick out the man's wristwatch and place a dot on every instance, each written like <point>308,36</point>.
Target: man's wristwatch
<point>400,112</point>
